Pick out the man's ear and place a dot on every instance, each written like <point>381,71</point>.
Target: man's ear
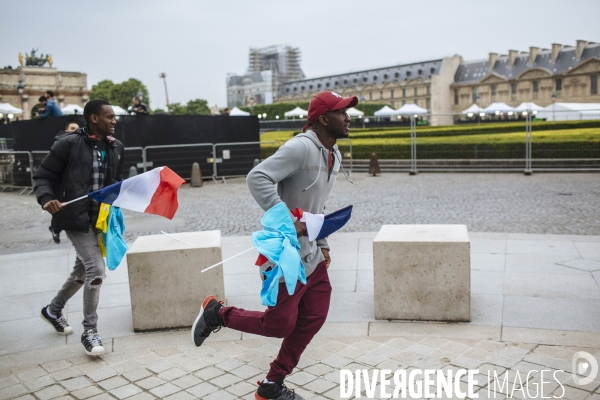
<point>94,118</point>
<point>323,120</point>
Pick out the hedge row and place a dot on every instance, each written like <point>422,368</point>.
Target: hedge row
<point>457,130</point>
<point>468,151</point>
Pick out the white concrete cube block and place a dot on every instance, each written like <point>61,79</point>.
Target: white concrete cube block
<point>165,282</point>
<point>422,272</point>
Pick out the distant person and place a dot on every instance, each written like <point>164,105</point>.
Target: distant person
<point>51,109</point>
<point>79,163</point>
<point>226,111</point>
<point>70,128</point>
<point>138,108</point>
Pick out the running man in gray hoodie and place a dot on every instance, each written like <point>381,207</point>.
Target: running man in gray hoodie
<point>304,170</point>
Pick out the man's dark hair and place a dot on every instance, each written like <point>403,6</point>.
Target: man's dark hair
<point>137,98</point>
<point>42,99</point>
<point>50,93</point>
<point>93,107</point>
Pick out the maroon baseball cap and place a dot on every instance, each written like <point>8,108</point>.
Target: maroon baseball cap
<point>327,101</point>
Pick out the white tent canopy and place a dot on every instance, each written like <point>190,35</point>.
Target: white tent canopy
<point>236,112</point>
<point>296,112</point>
<point>71,109</point>
<point>499,107</point>
<point>410,109</point>
<point>385,111</point>
<point>353,112</point>
<point>474,109</point>
<point>7,108</point>
<point>570,111</point>
<point>528,106</point>
<point>119,110</point>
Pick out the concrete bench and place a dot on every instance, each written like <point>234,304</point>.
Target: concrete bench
<point>165,282</point>
<point>422,272</point>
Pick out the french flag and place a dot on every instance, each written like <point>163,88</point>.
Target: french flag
<point>153,192</point>
<point>320,226</point>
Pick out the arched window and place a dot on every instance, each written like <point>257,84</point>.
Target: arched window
<point>319,86</point>
<point>375,78</point>
<point>397,75</point>
<point>327,84</point>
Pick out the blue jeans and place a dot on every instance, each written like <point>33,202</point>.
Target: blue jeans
<point>89,271</point>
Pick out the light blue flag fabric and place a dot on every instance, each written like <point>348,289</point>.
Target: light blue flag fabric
<point>113,239</point>
<point>279,243</point>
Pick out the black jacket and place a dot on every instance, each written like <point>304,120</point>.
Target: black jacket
<point>66,173</point>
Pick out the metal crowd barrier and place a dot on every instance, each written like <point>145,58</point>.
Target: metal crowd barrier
<point>16,170</point>
<point>229,157</point>
<point>184,154</point>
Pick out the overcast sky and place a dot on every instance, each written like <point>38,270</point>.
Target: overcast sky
<point>196,43</point>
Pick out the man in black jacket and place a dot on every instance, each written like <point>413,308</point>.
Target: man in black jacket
<point>81,162</point>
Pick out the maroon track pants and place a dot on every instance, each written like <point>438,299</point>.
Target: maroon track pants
<point>296,319</point>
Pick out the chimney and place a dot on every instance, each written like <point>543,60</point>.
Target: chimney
<point>533,52</point>
<point>580,47</point>
<point>492,60</point>
<point>512,56</point>
<point>556,48</point>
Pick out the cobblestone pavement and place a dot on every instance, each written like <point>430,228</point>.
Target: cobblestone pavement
<point>542,203</point>
<point>223,370</point>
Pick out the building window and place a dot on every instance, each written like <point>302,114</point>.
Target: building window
<point>416,92</point>
<point>420,72</point>
<point>327,84</point>
<point>302,88</point>
<point>392,94</point>
<point>393,105</point>
<point>403,93</point>
<point>310,87</point>
<point>408,74</point>
<point>493,93</point>
<point>432,70</point>
<point>558,87</point>
<point>364,78</point>
<point>397,75</point>
<point>428,102</point>
<point>416,102</point>
<point>370,96</point>
<point>380,95</point>
<point>385,76</point>
<point>536,89</point>
<point>295,89</point>
<point>513,91</point>
<point>403,102</point>
<point>287,90</point>
<point>594,84</point>
<point>355,80</point>
<point>428,89</point>
<point>345,81</point>
<point>474,93</point>
<point>374,78</point>
<point>455,96</point>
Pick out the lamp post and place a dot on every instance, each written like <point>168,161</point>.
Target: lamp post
<point>477,98</point>
<point>362,100</point>
<point>251,105</point>
<point>163,76</point>
<point>553,100</point>
<point>24,99</point>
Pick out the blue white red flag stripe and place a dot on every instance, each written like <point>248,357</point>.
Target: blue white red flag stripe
<point>153,192</point>
<point>320,226</point>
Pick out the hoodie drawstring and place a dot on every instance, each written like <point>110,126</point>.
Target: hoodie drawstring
<point>343,171</point>
<point>318,174</point>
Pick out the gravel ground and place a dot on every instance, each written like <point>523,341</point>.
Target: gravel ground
<point>543,203</point>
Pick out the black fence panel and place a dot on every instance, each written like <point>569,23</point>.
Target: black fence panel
<point>142,131</point>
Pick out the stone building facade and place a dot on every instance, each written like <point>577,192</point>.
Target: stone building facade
<point>426,84</point>
<point>450,85</point>
<point>562,74</point>
<point>69,87</point>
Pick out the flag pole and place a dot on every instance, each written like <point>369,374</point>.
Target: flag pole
<point>230,258</point>
<point>72,201</point>
<point>173,237</point>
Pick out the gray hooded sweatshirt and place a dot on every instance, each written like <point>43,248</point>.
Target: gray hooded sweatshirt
<point>300,170</point>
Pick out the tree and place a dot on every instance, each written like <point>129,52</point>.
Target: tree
<point>193,107</point>
<point>120,94</point>
<point>198,107</point>
<point>177,109</point>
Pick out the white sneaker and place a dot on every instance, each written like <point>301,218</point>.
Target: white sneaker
<point>92,343</point>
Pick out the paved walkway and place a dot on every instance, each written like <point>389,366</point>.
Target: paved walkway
<point>535,303</point>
